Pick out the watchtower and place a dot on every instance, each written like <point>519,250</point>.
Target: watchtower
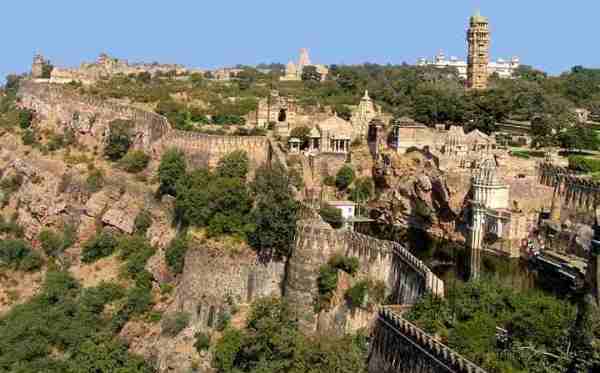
<point>478,38</point>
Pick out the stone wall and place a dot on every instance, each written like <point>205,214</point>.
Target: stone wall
<point>316,242</point>
<point>89,116</point>
<point>206,150</point>
<point>327,164</point>
<point>211,278</point>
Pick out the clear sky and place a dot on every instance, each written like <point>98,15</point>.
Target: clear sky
<point>550,34</point>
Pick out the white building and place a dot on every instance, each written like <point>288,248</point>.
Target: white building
<point>504,68</point>
<point>348,208</point>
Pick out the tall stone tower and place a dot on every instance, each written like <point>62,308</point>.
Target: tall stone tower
<point>478,38</point>
<point>37,67</point>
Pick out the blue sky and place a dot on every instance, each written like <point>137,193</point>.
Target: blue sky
<point>549,34</point>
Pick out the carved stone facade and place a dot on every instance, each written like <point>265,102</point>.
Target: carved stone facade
<point>494,224</point>
<point>363,114</point>
<point>478,38</point>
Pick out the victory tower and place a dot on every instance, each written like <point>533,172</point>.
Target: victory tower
<point>478,37</point>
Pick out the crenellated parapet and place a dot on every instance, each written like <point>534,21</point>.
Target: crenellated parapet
<point>573,189</point>
<point>399,346</point>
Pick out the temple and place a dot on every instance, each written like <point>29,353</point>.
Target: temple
<point>293,71</point>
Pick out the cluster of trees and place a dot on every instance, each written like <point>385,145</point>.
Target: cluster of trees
<point>262,211</point>
<point>271,342</point>
<point>65,329</point>
<point>543,334</point>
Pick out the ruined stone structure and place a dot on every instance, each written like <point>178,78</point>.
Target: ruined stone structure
<point>293,72</point>
<point>38,66</point>
<point>573,190</point>
<point>478,38</point>
<point>279,110</point>
<point>104,67</point>
<point>593,269</point>
<point>90,117</point>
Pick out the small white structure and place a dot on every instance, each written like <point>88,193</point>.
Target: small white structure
<point>294,144</point>
<point>348,208</point>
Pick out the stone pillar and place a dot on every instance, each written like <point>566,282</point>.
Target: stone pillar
<point>476,236</point>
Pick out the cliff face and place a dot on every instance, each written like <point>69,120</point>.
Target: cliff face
<point>413,191</point>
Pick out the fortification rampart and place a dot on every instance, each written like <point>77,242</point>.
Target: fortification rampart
<point>90,117</point>
<point>574,190</point>
<point>316,242</point>
<point>399,346</point>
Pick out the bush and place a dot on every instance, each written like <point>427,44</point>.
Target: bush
<point>332,215</point>
<point>56,141</point>
<point>175,323</point>
<point>170,171</point>
<point>18,255</point>
<point>202,342</point>
<point>326,284</point>
<point>344,177</point>
<point>347,264</point>
<point>99,246</point>
<point>175,254</point>
<point>28,137</point>
<point>223,321</point>
<point>119,139</point>
<point>134,161</point>
<point>95,181</point>
<point>25,118</point>
<point>329,180</point>
<point>234,164</point>
<point>143,221</point>
<point>584,164</point>
<point>51,242</point>
<point>356,295</point>
<point>93,299</point>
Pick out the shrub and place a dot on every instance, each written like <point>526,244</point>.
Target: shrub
<point>223,321</point>
<point>170,171</point>
<point>134,161</point>
<point>344,177</point>
<point>332,215</point>
<point>51,242</point>
<point>202,342</point>
<point>95,181</point>
<point>175,323</point>
<point>584,164</point>
<point>143,221</point>
<point>356,295</point>
<point>347,264</point>
<point>25,118</point>
<point>326,283</point>
<point>28,137</point>
<point>119,139</point>
<point>175,254</point>
<point>234,164</point>
<point>93,299</point>
<point>329,180</point>
<point>99,246</point>
<point>56,141</point>
<point>18,255</point>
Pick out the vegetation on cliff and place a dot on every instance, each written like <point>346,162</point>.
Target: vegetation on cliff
<point>535,335</point>
<point>65,329</point>
<point>271,342</point>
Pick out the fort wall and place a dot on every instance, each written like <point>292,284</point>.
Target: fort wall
<point>211,280</point>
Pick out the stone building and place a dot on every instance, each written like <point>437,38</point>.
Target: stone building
<point>494,224</point>
<point>39,66</point>
<point>279,110</point>
<point>478,38</point>
<point>503,68</point>
<point>293,71</point>
<point>332,135</point>
<point>407,134</point>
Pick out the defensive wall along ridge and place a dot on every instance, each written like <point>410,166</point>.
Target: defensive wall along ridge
<point>574,190</point>
<point>153,133</point>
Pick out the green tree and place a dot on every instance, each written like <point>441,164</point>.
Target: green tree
<point>310,74</point>
<point>363,190</point>
<point>134,161</point>
<point>99,246</point>
<point>275,212</point>
<point>175,254</point>
<point>234,164</point>
<point>171,169</point>
<point>344,177</point>
<point>302,133</point>
<point>332,215</point>
<point>119,139</point>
